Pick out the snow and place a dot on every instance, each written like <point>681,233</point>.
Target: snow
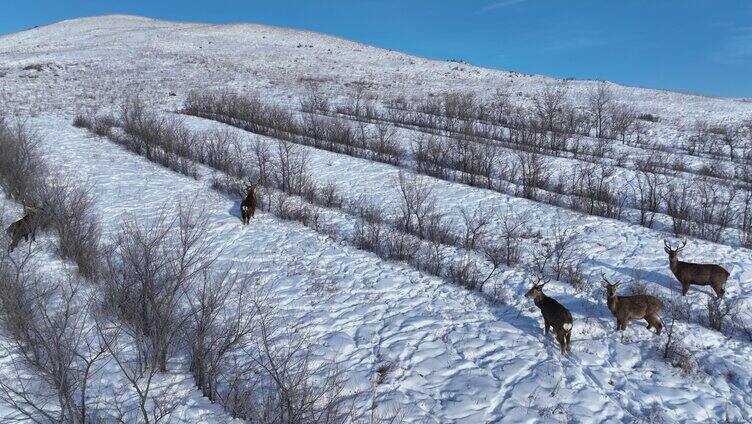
<point>450,354</point>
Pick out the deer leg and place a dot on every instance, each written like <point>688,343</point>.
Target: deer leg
<point>685,289</point>
<point>34,235</point>
<point>545,326</point>
<point>569,344</point>
<point>718,289</point>
<point>657,324</point>
<point>561,338</point>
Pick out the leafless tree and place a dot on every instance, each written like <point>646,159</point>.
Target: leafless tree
<point>417,203</point>
<point>623,118</point>
<point>599,101</point>
<point>476,225</point>
<point>70,209</point>
<point>291,169</point>
<point>534,173</point>
<point>48,324</point>
<point>220,322</point>
<point>649,194</point>
<point>291,385</point>
<point>549,104</point>
<point>22,170</point>
<point>149,269</point>
<point>153,397</point>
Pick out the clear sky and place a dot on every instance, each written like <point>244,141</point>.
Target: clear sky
<point>701,46</point>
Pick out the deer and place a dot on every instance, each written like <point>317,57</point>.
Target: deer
<point>627,308</point>
<point>248,205</point>
<point>689,273</point>
<point>25,227</point>
<point>555,316</point>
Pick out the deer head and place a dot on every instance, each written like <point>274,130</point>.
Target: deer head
<point>537,290</point>
<point>31,210</point>
<point>673,253</point>
<point>250,186</point>
<point>610,287</point>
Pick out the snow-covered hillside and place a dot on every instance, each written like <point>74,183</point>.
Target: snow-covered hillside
<point>408,342</point>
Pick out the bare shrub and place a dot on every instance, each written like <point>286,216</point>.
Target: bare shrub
<point>153,397</point>
<point>329,196</point>
<point>22,170</point>
<point>678,207</point>
<point>650,190</point>
<point>220,323</point>
<point>150,267</point>
<point>746,219</point>
<point>288,382</point>
<point>417,204</point>
<point>535,174</point>
<point>81,121</point>
<point>623,120</point>
<point>599,100</point>
<point>674,350</point>
<point>47,323</point>
<point>466,272</point>
<point>223,151</point>
<point>293,209</point>
<point>157,138</point>
<point>512,231</point>
<point>70,210</point>
<point>574,273</point>
<point>549,104</point>
<point>291,169</point>
<point>476,225</point>
<point>721,313</point>
<point>713,210</point>
<point>557,253</point>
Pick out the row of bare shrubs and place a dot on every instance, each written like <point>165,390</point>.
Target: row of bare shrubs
<point>67,208</point>
<point>586,187</point>
<point>549,127</point>
<point>376,143</point>
<point>416,232</point>
<point>159,139</point>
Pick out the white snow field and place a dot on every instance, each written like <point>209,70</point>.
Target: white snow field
<point>452,355</point>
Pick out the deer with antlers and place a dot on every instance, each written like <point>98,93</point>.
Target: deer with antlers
<point>689,273</point>
<point>627,308</point>
<point>248,205</point>
<point>25,227</point>
<point>555,316</point>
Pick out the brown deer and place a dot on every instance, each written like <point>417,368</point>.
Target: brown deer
<point>25,227</point>
<point>555,315</point>
<point>627,308</point>
<point>248,206</point>
<point>689,273</point>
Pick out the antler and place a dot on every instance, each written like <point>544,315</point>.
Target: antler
<point>540,278</point>
<point>678,248</point>
<point>603,276</point>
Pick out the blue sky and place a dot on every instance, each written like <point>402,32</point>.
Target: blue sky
<point>702,46</point>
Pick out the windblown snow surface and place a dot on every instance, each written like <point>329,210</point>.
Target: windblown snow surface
<point>453,356</point>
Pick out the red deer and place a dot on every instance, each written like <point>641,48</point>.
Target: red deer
<point>689,273</point>
<point>627,308</point>
<point>555,315</point>
<point>25,227</point>
<point>248,206</point>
